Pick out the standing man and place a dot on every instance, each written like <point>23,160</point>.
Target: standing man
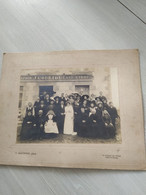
<point>76,108</point>
<point>60,115</point>
<point>36,106</point>
<point>40,121</point>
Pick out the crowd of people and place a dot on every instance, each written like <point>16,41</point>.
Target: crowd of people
<point>84,116</point>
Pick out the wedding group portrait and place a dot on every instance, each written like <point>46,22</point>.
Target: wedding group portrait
<point>68,107</point>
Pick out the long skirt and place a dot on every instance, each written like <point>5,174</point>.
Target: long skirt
<point>68,124</point>
<point>26,131</point>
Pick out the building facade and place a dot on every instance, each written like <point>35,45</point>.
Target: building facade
<point>84,82</point>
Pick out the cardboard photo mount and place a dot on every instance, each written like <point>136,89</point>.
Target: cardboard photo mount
<point>127,155</point>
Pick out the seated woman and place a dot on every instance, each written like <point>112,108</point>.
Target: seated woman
<point>50,127</point>
<point>28,127</point>
<point>108,126</point>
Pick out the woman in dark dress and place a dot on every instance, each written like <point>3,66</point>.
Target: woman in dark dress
<point>28,127</point>
<point>92,131</point>
<point>29,108</point>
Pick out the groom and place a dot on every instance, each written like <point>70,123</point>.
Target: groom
<point>60,115</point>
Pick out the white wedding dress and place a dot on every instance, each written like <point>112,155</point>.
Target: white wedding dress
<point>68,123</point>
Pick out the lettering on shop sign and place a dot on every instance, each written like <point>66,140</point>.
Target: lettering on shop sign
<point>63,77</point>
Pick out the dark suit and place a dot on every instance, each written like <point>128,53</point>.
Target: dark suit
<point>60,115</point>
<point>36,106</point>
<point>76,117</point>
<point>40,122</point>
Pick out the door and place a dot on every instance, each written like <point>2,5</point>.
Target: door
<point>48,89</point>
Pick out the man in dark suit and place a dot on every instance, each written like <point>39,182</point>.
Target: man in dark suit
<point>60,115</point>
<point>40,122</point>
<point>76,107</point>
<point>36,106</point>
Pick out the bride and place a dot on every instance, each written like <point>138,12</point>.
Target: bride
<point>68,123</point>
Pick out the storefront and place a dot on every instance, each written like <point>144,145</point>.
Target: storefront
<point>33,85</point>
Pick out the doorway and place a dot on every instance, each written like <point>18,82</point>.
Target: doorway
<point>48,89</point>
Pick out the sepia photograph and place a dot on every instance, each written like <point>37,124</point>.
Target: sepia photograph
<point>69,105</point>
<point>70,109</point>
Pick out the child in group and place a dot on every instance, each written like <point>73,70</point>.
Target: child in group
<point>50,129</point>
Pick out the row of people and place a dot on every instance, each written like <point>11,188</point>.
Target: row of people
<point>88,118</point>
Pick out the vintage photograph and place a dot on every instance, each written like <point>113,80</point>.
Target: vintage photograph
<point>69,105</point>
